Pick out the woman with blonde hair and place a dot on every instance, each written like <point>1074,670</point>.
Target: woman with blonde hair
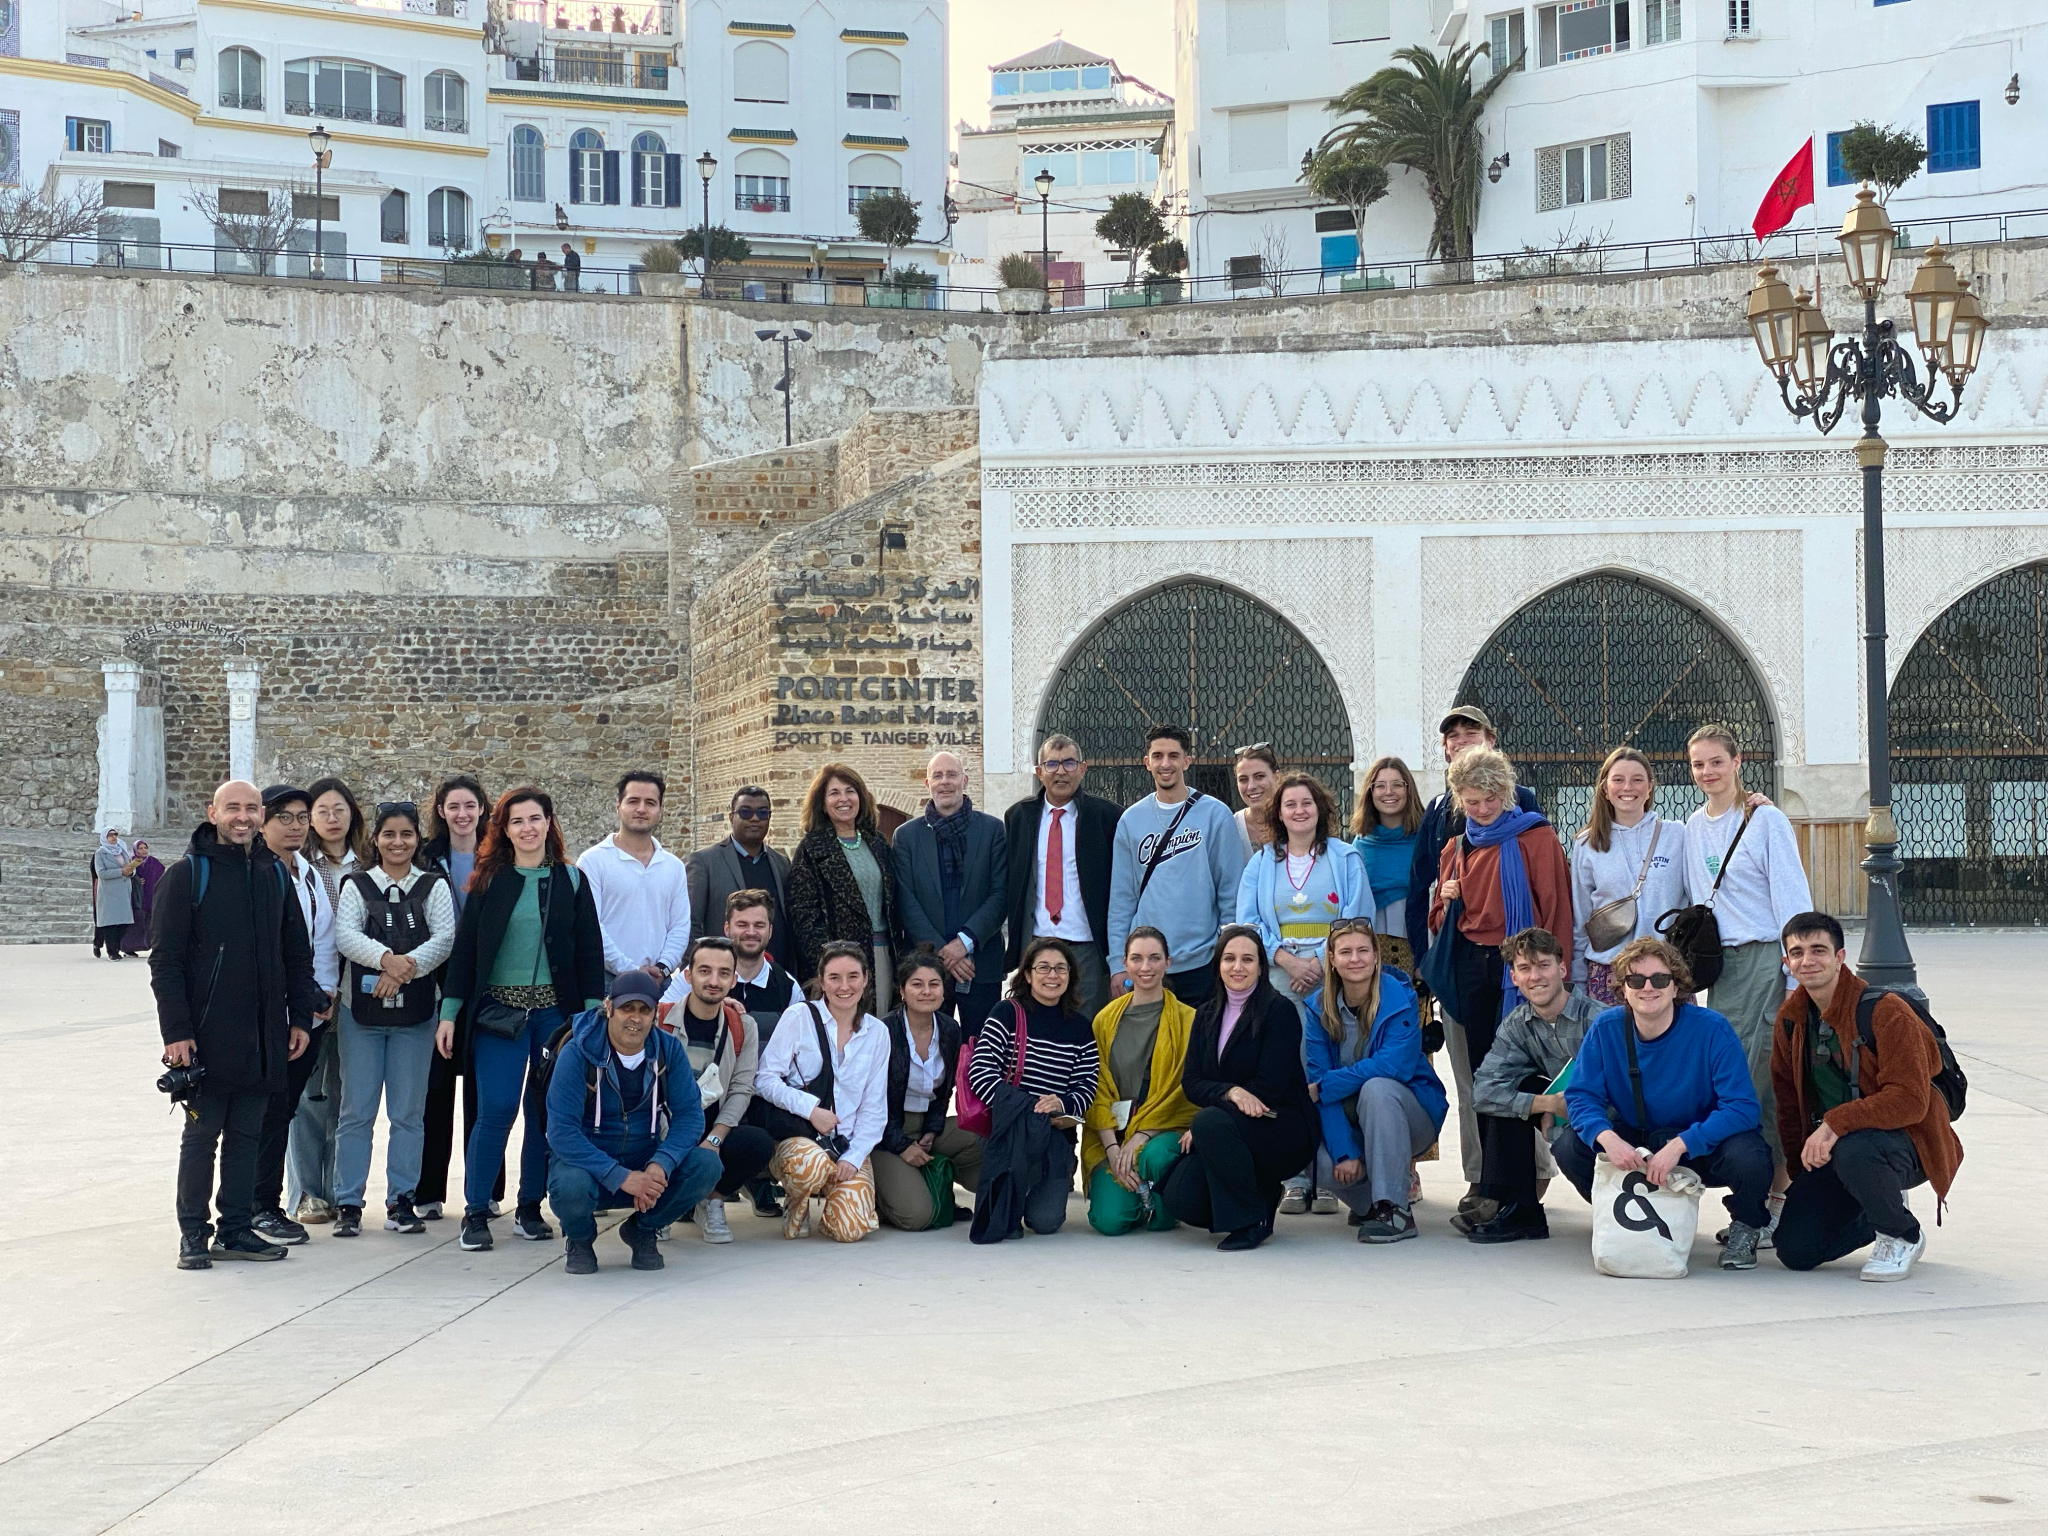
<point>1628,870</point>
<point>842,879</point>
<point>1384,826</point>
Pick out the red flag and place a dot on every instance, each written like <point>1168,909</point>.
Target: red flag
<point>1792,191</point>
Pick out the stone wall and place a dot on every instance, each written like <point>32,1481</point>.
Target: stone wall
<point>49,743</point>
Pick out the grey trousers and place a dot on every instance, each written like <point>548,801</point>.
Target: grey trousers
<point>310,1145</point>
<point>1748,994</point>
<point>1392,1127</point>
<point>1469,1150</point>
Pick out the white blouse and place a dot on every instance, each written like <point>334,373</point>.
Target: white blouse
<point>860,1074</point>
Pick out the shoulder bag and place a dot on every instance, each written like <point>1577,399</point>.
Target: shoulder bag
<point>1158,854</point>
<point>1439,968</point>
<point>972,1114</point>
<point>1609,925</point>
<point>781,1124</point>
<point>1694,931</point>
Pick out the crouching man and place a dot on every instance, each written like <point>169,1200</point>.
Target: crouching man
<point>1858,1112</point>
<point>624,1120</point>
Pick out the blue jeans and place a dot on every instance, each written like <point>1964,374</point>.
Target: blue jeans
<point>309,1147</point>
<point>577,1196</point>
<point>390,1064</point>
<point>504,1076</point>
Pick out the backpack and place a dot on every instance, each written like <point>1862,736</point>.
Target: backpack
<point>202,871</point>
<point>544,1074</point>
<point>1949,1082</point>
<point>399,920</point>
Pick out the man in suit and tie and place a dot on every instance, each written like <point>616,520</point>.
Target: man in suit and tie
<point>949,890</point>
<point>741,862</point>
<point>1060,842</point>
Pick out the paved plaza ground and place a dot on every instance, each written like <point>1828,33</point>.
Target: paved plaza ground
<point>915,1383</point>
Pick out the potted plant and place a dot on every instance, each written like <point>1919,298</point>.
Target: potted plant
<point>661,270</point>
<point>1023,280</point>
<point>904,288</point>
<point>1132,225</point>
<point>1166,260</point>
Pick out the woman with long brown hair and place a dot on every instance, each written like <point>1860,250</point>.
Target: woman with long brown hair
<point>1628,870</point>
<point>842,878</point>
<point>1384,827</point>
<point>528,954</point>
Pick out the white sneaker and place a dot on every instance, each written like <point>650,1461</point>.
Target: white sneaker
<point>711,1224</point>
<point>1326,1204</point>
<point>1414,1186</point>
<point>1294,1202</point>
<point>1893,1258</point>
<point>432,1210</point>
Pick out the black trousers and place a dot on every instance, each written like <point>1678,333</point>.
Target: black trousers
<point>1508,1152</point>
<point>277,1124</point>
<point>235,1122</point>
<point>1479,994</point>
<point>1192,987</point>
<point>1860,1191</point>
<point>109,937</point>
<point>442,1077</point>
<point>1231,1178</point>
<point>745,1153</point>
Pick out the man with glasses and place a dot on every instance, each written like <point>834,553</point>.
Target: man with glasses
<point>742,861</point>
<point>1257,771</point>
<point>1061,843</point>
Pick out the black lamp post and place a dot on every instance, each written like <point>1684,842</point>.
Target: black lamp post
<point>707,167</point>
<point>785,335</point>
<point>319,138</point>
<point>1818,377</point>
<point>1043,181</point>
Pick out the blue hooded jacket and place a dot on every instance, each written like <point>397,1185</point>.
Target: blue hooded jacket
<point>1394,1049</point>
<point>598,1131</point>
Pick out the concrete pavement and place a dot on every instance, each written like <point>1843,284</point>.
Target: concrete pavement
<point>914,1382</point>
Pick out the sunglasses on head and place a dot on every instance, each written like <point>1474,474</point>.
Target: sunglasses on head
<point>1351,925</point>
<point>1254,746</point>
<point>397,807</point>
<point>1656,980</point>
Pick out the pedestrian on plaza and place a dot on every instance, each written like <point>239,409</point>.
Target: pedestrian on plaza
<point>641,889</point>
<point>1384,828</point>
<point>1671,1078</point>
<point>1745,858</point>
<point>1254,1121</point>
<point>923,1152</point>
<point>395,926</point>
<point>950,871</point>
<point>1061,843</point>
<point>842,878</point>
<point>142,896</point>
<point>1257,771</point>
<point>113,908</point>
<point>339,846</point>
<point>724,1047</point>
<point>459,809</point>
<point>1518,1108</point>
<point>1628,869</point>
<point>572,269</point>
<point>1177,864</point>
<point>625,1125</point>
<point>742,861</point>
<point>527,949</point>
<point>1854,1074</point>
<point>1380,1102</point>
<point>287,821</point>
<point>825,1081</point>
<point>1140,1112</point>
<point>231,967</point>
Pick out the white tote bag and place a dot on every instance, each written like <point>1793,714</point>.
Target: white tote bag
<point>1641,1232</point>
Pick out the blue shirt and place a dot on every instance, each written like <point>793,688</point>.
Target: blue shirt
<point>1695,1080</point>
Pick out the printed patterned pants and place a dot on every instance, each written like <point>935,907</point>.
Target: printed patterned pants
<point>805,1169</point>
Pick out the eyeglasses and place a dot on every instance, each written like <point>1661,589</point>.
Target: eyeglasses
<point>1255,746</point>
<point>294,818</point>
<point>399,807</point>
<point>1657,980</point>
<point>1054,968</point>
<point>1061,764</point>
<point>753,813</point>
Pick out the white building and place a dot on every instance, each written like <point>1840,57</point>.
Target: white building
<point>1075,114</point>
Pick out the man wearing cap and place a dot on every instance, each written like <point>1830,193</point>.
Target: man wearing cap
<point>625,1117</point>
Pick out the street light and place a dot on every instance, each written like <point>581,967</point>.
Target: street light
<point>785,336</point>
<point>1818,377</point>
<point>1043,181</point>
<point>319,138</point>
<point>707,168</point>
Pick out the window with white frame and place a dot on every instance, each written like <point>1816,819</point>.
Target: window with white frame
<point>346,90</point>
<point>760,182</point>
<point>586,166</point>
<point>650,167</point>
<point>874,80</point>
<point>88,135</point>
<point>448,218</point>
<point>1581,29</point>
<point>1740,22</point>
<point>392,223</point>
<point>1663,22</point>
<point>1506,43</point>
<point>447,102</point>
<point>241,79</point>
<point>529,164</point>
<point>867,175</point>
<point>1597,171</point>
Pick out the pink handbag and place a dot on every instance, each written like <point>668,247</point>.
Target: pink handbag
<point>972,1114</point>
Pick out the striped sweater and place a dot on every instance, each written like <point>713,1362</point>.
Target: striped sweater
<point>1060,1056</point>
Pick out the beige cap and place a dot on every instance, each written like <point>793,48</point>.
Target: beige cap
<point>1471,712</point>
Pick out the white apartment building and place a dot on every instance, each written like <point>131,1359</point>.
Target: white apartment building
<point>1075,114</point>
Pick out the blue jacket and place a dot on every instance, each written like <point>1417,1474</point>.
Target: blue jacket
<point>1394,1049</point>
<point>1695,1080</point>
<point>593,1131</point>
<point>1255,892</point>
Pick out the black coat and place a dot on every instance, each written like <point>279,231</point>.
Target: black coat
<point>1093,828</point>
<point>893,1139</point>
<point>235,975</point>
<point>575,944</point>
<point>1266,1061</point>
<point>920,887</point>
<point>825,903</point>
<point>1016,1158</point>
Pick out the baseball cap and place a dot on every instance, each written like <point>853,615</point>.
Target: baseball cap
<point>635,986</point>
<point>1471,712</point>
<point>278,794</point>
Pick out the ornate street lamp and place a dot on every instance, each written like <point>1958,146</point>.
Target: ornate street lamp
<point>707,167</point>
<point>1817,378</point>
<point>1043,181</point>
<point>319,138</point>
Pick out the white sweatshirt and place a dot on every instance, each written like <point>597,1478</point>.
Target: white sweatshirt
<point>1766,883</point>
<point>1598,878</point>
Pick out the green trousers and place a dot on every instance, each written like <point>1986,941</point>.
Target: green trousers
<point>1114,1210</point>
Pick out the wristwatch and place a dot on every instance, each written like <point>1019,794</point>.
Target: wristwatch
<point>716,1141</point>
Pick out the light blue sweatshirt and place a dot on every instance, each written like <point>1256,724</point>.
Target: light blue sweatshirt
<point>1193,891</point>
<point>1259,892</point>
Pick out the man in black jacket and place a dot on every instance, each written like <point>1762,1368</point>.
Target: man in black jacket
<point>1060,887</point>
<point>231,965</point>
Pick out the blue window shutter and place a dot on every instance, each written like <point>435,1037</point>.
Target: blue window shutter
<point>1953,142</point>
<point>1340,252</point>
<point>672,180</point>
<point>611,177</point>
<point>1838,175</point>
<point>639,192</point>
<point>575,175</point>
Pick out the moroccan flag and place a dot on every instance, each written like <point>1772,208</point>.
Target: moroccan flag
<point>1792,191</point>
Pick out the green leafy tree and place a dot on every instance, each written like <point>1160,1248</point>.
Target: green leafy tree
<point>1887,158</point>
<point>890,220</point>
<point>727,248</point>
<point>1423,113</point>
<point>1349,176</point>
<point>1133,225</point>
<point>1167,259</point>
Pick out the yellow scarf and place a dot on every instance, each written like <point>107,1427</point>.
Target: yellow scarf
<point>1164,1108</point>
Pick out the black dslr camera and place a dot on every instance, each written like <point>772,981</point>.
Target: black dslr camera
<point>182,1083</point>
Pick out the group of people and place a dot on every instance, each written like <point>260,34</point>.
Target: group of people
<point>1215,1018</point>
<point>124,881</point>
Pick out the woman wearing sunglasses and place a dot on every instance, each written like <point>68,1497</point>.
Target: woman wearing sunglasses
<point>1671,1078</point>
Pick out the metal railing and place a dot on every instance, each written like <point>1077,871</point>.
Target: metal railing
<point>242,101</point>
<point>388,119</point>
<point>447,122</point>
<point>643,19</point>
<point>629,73</point>
<point>761,202</point>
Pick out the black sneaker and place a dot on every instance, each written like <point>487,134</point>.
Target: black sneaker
<point>348,1221</point>
<point>476,1231</point>
<point>246,1244</point>
<point>646,1248</point>
<point>192,1252</point>
<point>1516,1223</point>
<point>399,1216</point>
<point>278,1227</point>
<point>1388,1223</point>
<point>527,1223</point>
<point>766,1201</point>
<point>582,1258</point>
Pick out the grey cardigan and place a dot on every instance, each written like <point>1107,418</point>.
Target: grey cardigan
<point>1525,1046</point>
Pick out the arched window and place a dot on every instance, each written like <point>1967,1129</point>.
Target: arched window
<point>393,225</point>
<point>760,182</point>
<point>586,166</point>
<point>760,72</point>
<point>447,102</point>
<point>874,79</point>
<point>869,174</point>
<point>241,79</point>
<point>448,218</point>
<point>344,89</point>
<point>650,173</point>
<point>529,165</point>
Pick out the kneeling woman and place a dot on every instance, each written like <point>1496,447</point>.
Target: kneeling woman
<point>822,1088</point>
<point>1254,1122</point>
<point>1381,1103</point>
<point>1139,1114</point>
<point>922,1154</point>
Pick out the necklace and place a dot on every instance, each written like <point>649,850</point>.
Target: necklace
<point>849,842</point>
<point>1299,900</point>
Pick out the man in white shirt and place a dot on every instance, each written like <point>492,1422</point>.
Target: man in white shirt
<point>287,817</point>
<point>642,890</point>
<point>1059,844</point>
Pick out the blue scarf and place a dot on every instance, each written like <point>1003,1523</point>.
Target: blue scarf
<point>1388,855</point>
<point>1517,905</point>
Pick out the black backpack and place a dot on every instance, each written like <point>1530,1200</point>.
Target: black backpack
<point>1949,1082</point>
<point>544,1073</point>
<point>397,919</point>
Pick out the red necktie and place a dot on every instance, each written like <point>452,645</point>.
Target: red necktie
<point>1055,867</point>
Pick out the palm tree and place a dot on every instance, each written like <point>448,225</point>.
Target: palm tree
<point>1423,113</point>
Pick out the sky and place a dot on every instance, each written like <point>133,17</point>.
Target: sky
<point>1138,34</point>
